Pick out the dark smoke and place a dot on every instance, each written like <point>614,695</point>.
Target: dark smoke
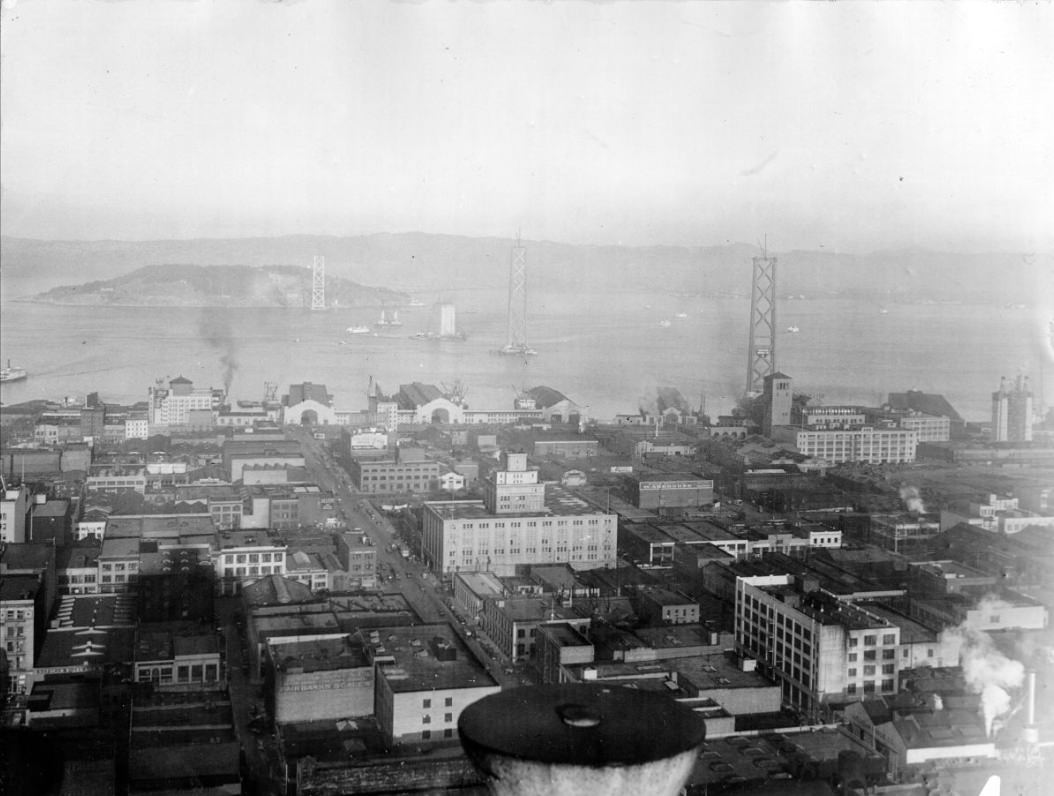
<point>215,329</point>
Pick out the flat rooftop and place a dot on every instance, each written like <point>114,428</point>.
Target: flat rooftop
<point>416,667</point>
<point>647,533</point>
<point>231,539</point>
<point>318,655</point>
<point>97,610</point>
<point>693,635</point>
<point>19,587</point>
<point>563,635</point>
<point>558,503</point>
<point>175,525</point>
<point>482,584</point>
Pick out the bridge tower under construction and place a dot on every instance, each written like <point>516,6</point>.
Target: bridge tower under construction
<point>318,283</point>
<point>761,353</point>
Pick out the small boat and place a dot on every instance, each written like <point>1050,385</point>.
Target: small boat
<point>358,330</point>
<point>9,373</point>
<point>415,303</point>
<point>883,311</point>
<point>386,320</point>
<point>665,324</point>
<point>793,329</point>
<point>681,315</point>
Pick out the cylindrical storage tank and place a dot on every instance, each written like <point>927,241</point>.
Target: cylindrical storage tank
<point>586,739</point>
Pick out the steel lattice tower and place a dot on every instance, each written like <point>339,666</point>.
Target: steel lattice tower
<point>761,355</point>
<point>318,283</point>
<point>517,337</point>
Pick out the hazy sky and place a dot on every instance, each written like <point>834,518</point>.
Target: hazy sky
<point>852,126</point>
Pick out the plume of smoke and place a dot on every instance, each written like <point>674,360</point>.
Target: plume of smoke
<point>215,329</point>
<point>987,671</point>
<point>912,499</point>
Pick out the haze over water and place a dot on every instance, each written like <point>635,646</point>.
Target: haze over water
<point>608,353</point>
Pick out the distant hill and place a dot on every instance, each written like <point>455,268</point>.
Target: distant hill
<point>219,286</point>
<point>418,261</point>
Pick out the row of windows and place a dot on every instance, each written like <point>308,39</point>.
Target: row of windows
<point>241,572</point>
<point>251,558</point>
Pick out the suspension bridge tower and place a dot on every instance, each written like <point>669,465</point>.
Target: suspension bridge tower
<point>516,341</point>
<point>318,283</point>
<point>761,354</point>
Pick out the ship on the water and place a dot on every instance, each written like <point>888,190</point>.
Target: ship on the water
<point>358,330</point>
<point>389,320</point>
<point>8,373</point>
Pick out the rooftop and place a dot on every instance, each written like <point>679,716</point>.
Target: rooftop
<point>416,667</point>
<point>558,503</point>
<point>19,587</point>
<point>142,525</point>
<point>299,657</point>
<point>234,539</point>
<point>53,508</point>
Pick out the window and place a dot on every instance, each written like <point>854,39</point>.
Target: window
<point>426,703</point>
<point>869,640</point>
<point>426,719</point>
<point>889,638</point>
<point>448,717</point>
<point>448,701</point>
<point>888,668</point>
<point>869,671</point>
<point>852,672</point>
<point>851,688</point>
<point>888,655</point>
<point>426,735</point>
<point>448,733</point>
<point>852,657</point>
<point>853,641</point>
<point>870,655</point>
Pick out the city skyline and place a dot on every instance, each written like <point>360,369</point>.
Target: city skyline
<point>848,127</point>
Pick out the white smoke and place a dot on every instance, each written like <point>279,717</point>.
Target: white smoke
<point>912,500</point>
<point>987,671</point>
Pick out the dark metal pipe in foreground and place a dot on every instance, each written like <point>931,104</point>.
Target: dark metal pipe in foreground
<point>581,739</point>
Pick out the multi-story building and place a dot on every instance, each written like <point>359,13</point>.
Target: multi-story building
<point>869,445</point>
<point>817,647</point>
<point>318,677</point>
<point>425,676</point>
<point>777,400</point>
<point>410,471</point>
<point>78,569</point>
<point>117,478</point>
<point>181,403</point>
<point>243,557</point>
<point>928,428</point>
<point>14,511</point>
<point>520,521</point>
<point>359,560</point>
<point>664,492</point>
<point>22,614</point>
<point>903,533</point>
<point>1012,411</point>
<point>179,655</point>
<point>137,426</point>
<point>824,418</point>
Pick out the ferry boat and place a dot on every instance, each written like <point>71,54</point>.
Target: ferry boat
<point>358,330</point>
<point>9,373</point>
